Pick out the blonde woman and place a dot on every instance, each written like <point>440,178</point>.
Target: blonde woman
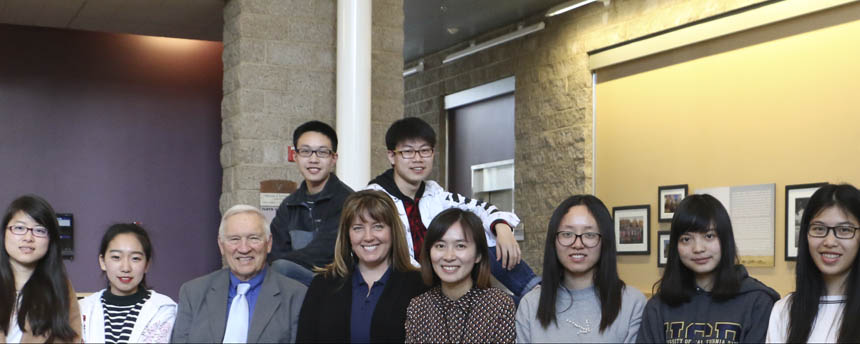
<point>362,296</point>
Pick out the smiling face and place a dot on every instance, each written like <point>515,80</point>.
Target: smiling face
<point>370,241</point>
<point>314,169</point>
<point>415,170</point>
<point>453,258</point>
<point>124,263</point>
<point>833,256</point>
<point>577,259</point>
<point>25,250</point>
<point>244,245</point>
<point>701,253</point>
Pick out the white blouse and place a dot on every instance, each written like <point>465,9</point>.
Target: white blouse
<point>825,329</point>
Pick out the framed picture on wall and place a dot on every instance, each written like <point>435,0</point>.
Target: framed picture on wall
<point>632,228</point>
<point>662,248</point>
<point>796,198</point>
<point>668,198</point>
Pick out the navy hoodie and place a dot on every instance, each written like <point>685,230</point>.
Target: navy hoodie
<point>741,319</point>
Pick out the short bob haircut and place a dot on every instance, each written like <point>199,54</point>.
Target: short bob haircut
<point>133,229</point>
<point>45,297</point>
<point>369,205</point>
<point>700,214</point>
<point>803,304</point>
<point>607,284</point>
<point>319,127</point>
<point>473,230</point>
<point>409,128</point>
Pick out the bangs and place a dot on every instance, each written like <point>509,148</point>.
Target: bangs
<point>369,210</point>
<point>697,223</point>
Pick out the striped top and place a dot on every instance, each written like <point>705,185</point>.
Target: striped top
<point>120,313</point>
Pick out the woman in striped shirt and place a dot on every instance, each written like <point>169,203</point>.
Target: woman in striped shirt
<point>128,311</point>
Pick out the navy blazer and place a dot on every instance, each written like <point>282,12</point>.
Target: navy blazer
<point>202,313</point>
<point>325,315</point>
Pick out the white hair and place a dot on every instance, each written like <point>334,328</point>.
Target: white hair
<point>242,209</point>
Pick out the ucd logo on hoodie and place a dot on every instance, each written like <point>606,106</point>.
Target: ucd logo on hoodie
<point>720,332</point>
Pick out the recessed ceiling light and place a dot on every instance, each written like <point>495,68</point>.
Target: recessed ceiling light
<point>453,30</point>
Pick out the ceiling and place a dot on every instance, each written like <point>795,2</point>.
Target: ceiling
<point>427,22</point>
<point>429,26</point>
<point>193,19</point>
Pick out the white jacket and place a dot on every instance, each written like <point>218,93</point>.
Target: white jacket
<point>154,323</point>
<point>435,200</point>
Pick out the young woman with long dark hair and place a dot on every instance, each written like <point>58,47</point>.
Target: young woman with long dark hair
<point>582,299</point>
<point>37,301</point>
<point>461,307</point>
<point>704,294</point>
<point>825,308</point>
<point>128,311</point>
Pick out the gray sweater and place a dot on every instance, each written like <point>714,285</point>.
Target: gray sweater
<point>579,322</point>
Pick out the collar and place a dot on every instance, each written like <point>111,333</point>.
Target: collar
<point>327,192</point>
<point>386,181</point>
<point>358,279</point>
<point>464,301</point>
<point>255,281</point>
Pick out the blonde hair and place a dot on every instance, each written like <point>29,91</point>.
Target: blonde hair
<point>378,206</point>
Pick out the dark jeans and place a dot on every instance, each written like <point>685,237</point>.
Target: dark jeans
<point>520,280</point>
<point>294,271</point>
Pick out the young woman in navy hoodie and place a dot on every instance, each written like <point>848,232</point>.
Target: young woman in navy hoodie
<point>705,296</point>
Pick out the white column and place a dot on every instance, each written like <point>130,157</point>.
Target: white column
<point>353,91</point>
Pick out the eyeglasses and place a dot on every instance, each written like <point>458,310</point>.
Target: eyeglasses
<point>840,231</point>
<point>409,153</point>
<point>567,238</point>
<point>321,153</point>
<point>40,232</point>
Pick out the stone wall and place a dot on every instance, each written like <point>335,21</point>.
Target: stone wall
<point>279,71</point>
<point>553,95</point>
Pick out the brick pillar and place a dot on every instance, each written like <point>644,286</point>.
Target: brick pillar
<point>386,103</point>
<point>279,71</point>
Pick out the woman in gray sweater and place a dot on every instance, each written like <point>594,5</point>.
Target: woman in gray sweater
<point>582,298</point>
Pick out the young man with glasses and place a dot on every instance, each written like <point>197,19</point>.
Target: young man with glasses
<point>305,226</point>
<point>411,143</point>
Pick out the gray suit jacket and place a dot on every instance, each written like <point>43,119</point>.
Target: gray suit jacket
<point>202,314</point>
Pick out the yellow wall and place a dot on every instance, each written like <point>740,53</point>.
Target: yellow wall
<point>779,104</point>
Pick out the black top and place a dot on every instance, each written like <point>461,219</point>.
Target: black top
<point>325,315</point>
<point>311,219</point>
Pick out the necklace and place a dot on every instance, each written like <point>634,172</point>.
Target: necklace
<point>582,329</point>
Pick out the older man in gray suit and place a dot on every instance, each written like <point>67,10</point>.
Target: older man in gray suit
<point>247,303</point>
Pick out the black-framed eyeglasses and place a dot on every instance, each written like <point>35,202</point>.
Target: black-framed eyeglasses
<point>40,232</point>
<point>321,153</point>
<point>840,231</point>
<point>567,238</point>
<point>410,153</point>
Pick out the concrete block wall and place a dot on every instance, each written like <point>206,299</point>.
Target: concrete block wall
<point>279,71</point>
<point>386,103</point>
<point>553,95</point>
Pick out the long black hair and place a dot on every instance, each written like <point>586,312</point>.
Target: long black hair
<point>803,307</point>
<point>45,297</point>
<point>699,213</point>
<point>607,285</point>
<point>139,233</point>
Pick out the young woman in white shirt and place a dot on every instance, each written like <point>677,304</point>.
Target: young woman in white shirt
<point>125,255</point>
<point>825,308</point>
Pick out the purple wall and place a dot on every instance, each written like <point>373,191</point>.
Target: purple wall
<point>116,128</point>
